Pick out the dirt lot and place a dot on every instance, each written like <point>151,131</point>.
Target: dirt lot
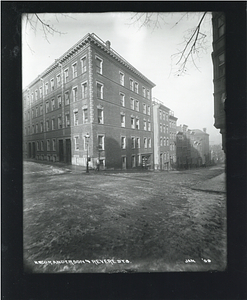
<point>121,222</point>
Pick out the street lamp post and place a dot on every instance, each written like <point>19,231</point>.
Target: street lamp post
<point>87,136</point>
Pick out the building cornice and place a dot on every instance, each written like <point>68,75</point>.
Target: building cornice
<point>87,39</point>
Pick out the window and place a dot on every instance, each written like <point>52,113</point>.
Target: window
<point>164,156</point>
<point>164,142</point>
<point>149,110</point>
<point>52,104</point>
<point>28,115</point>
<point>138,144</point>
<point>144,108</point>
<point>58,80</point>
<point>164,128</point>
<point>41,126</point>
<point>54,144</point>
<point>47,125</point>
<point>149,126</point>
<point>37,128</point>
<point>132,122</point>
<point>101,142</point>
<point>138,159</point>
<point>167,142</point>
<point>32,98</point>
<point>145,125</point>
<point>59,122</point>
<point>160,115</point>
<point>37,111</point>
<point>133,161</point>
<point>137,124</point>
<point>47,106</point>
<point>75,94</point>
<point>100,90</point>
<point>76,138</point>
<point>100,116</point>
<point>122,99</point>
<point>132,103</point>
<point>41,109</point>
<point>46,88</point>
<point>85,115</point>
<point>149,143</point>
<point>148,94</point>
<point>42,145</point>
<point>221,26</point>
<point>83,64</point>
<point>137,105</point>
<point>59,101</point>
<point>222,64</point>
<point>145,143</point>
<point>121,77</point>
<point>160,127</point>
<point>164,116</point>
<point>133,143</point>
<point>36,95</point>
<point>123,142</point>
<point>99,64</point>
<point>66,75</point>
<point>160,141</point>
<point>84,90</point>
<point>52,124</point>
<point>32,113</point>
<point>122,116</point>
<point>28,129</point>
<point>75,118</point>
<point>67,120</point>
<point>40,92</point>
<point>37,145</point>
<point>136,87</point>
<point>52,84</point>
<point>131,85</point>
<point>48,145</point>
<point>144,91</point>
<point>66,96</point>
<point>74,70</point>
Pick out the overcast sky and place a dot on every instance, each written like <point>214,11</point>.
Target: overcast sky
<point>148,49</point>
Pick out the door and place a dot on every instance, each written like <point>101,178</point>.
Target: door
<point>29,150</point>
<point>123,162</point>
<point>34,150</point>
<point>68,151</point>
<point>60,150</point>
<point>161,162</point>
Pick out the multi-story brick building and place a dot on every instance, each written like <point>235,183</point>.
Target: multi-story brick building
<point>164,135</point>
<point>192,147</point>
<point>90,103</point>
<point>218,57</point>
<point>173,136</point>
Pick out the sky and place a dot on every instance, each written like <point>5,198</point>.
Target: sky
<point>150,49</point>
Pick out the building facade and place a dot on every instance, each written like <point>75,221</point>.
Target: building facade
<point>90,105</point>
<point>164,136</point>
<point>218,57</point>
<point>192,148</point>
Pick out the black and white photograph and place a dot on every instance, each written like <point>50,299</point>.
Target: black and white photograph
<point>124,142</point>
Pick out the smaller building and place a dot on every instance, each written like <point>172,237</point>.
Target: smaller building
<point>164,124</point>
<point>192,148</point>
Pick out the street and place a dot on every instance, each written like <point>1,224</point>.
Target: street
<point>114,221</point>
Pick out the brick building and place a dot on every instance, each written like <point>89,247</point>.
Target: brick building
<point>192,147</point>
<point>218,57</point>
<point>164,136</point>
<point>90,103</point>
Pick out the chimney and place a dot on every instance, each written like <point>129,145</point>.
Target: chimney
<point>205,130</point>
<point>108,45</point>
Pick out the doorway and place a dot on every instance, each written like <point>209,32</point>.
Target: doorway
<point>60,150</point>
<point>68,151</point>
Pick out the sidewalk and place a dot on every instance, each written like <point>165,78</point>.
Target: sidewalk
<point>216,184</point>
